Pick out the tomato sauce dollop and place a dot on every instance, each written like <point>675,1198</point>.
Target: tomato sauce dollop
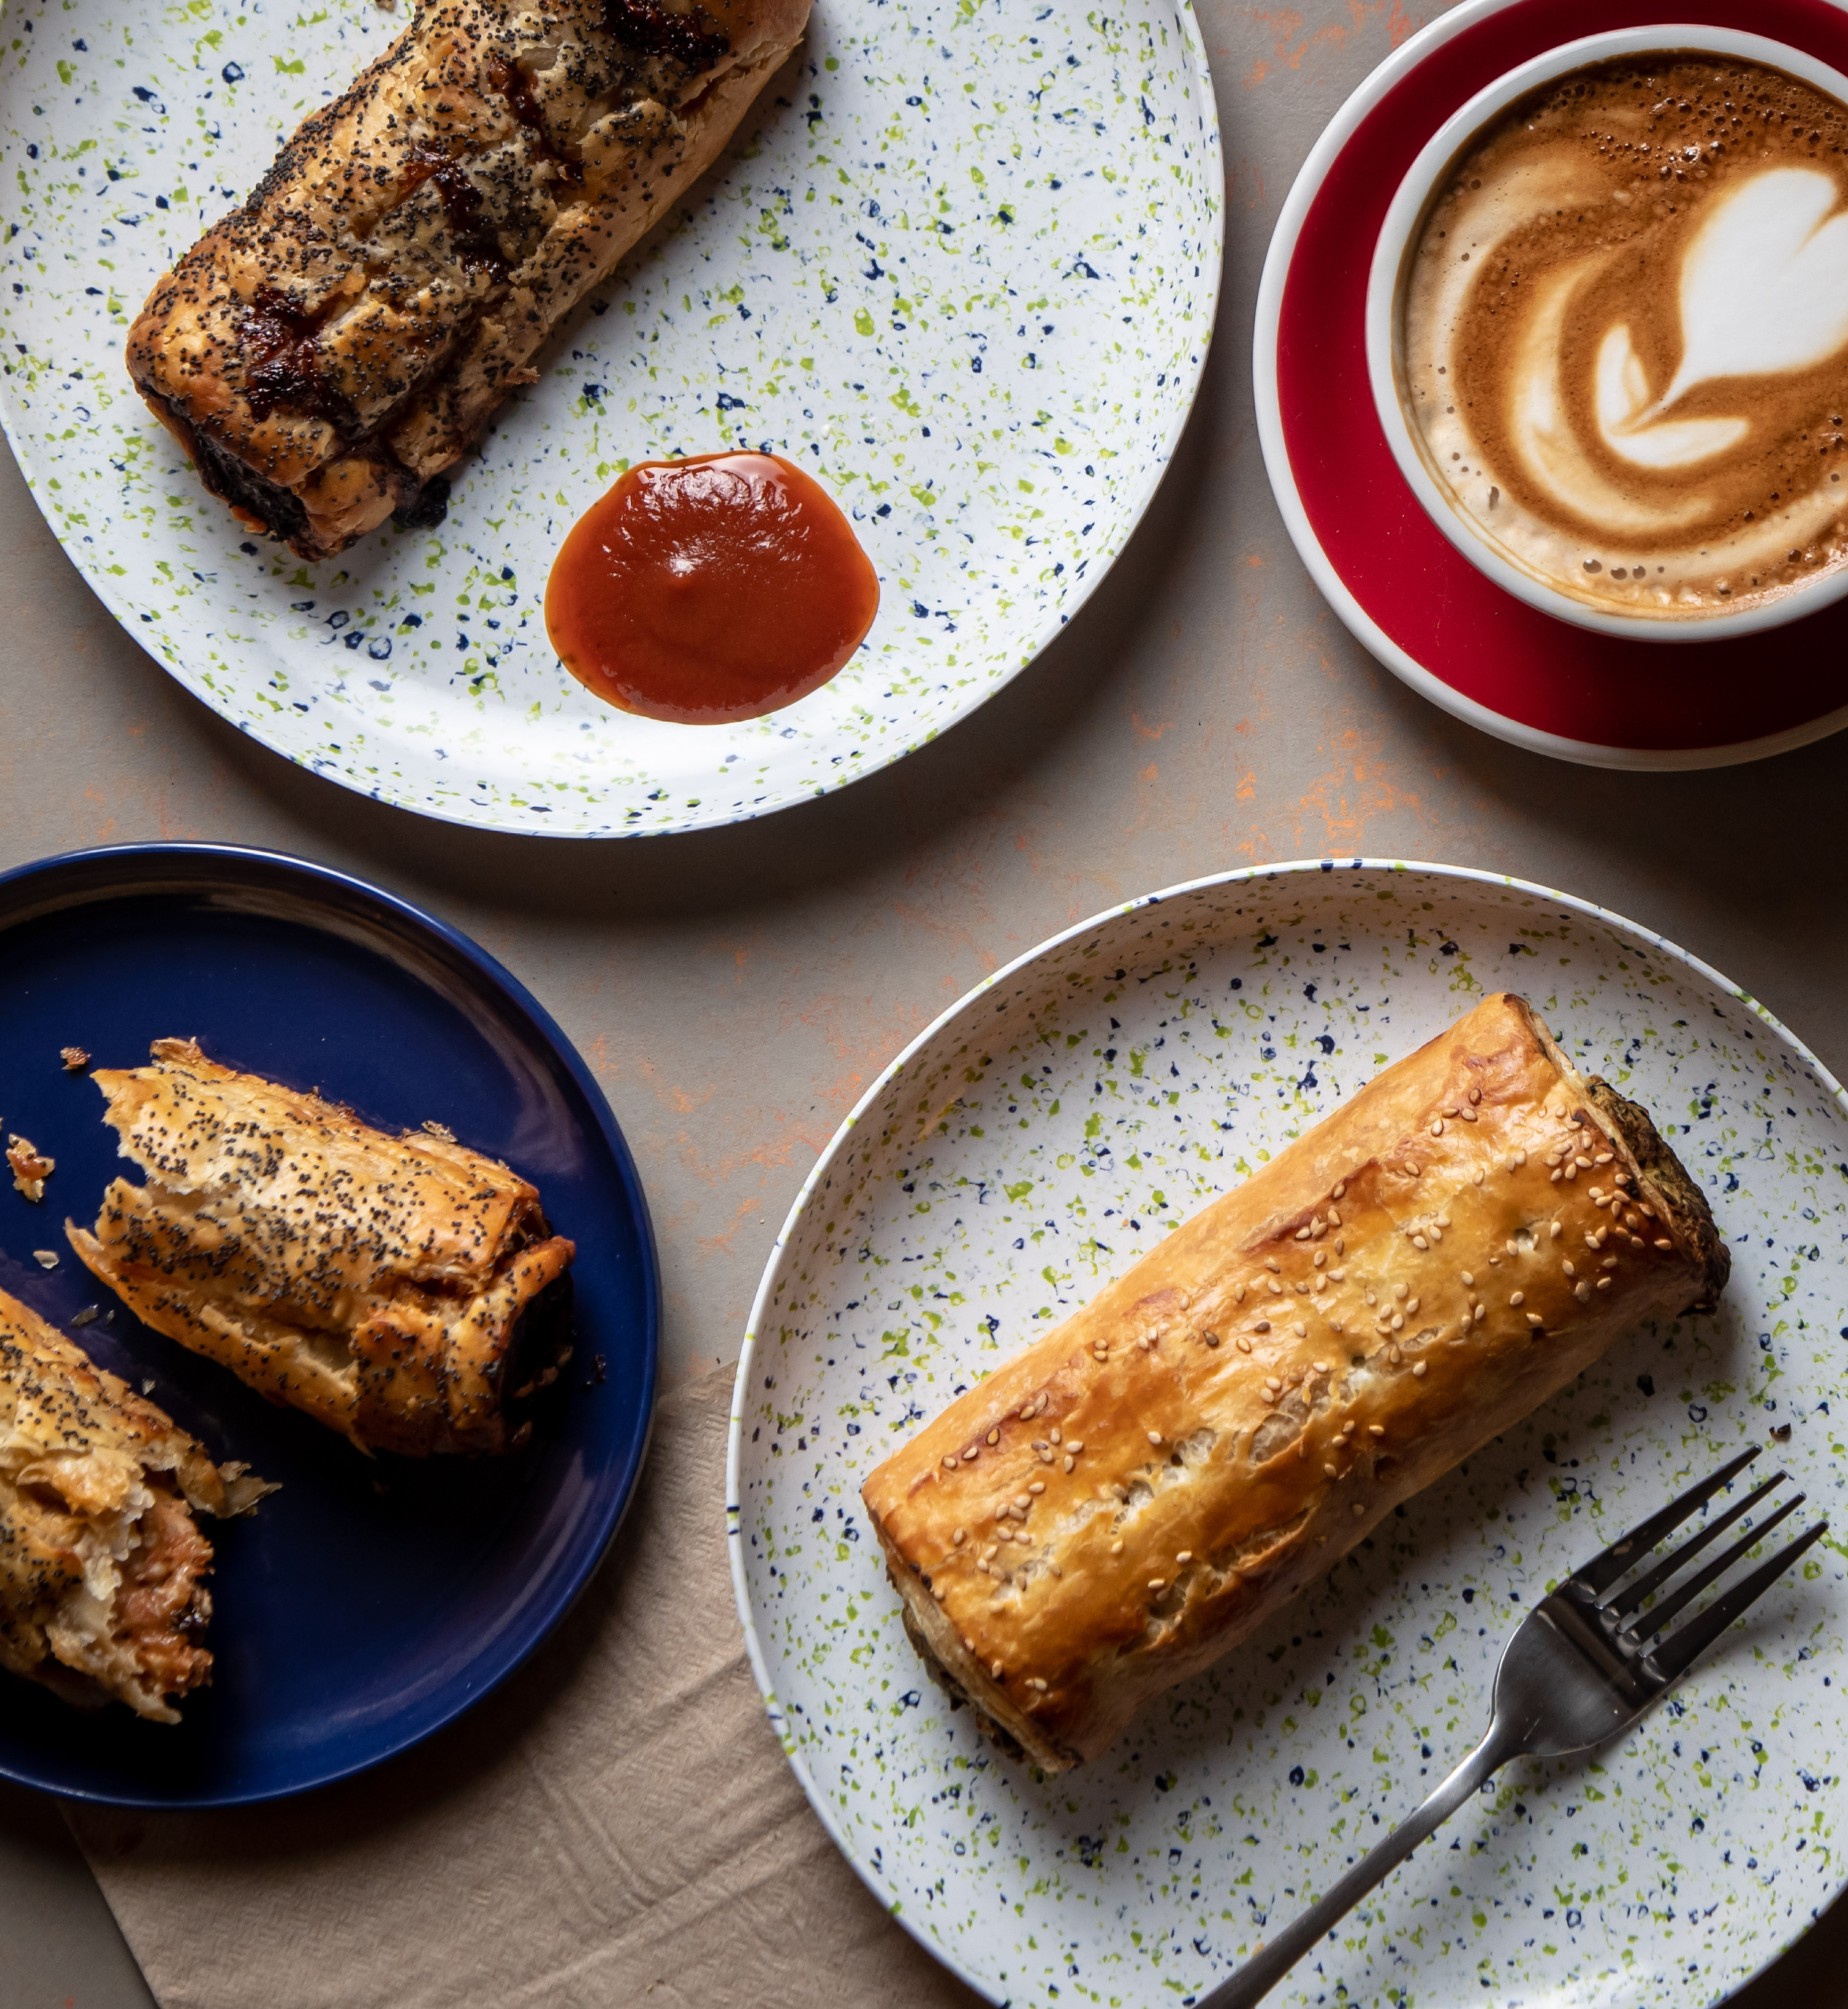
<point>706,590</point>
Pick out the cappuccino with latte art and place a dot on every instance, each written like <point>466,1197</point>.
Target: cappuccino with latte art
<point>1623,340</point>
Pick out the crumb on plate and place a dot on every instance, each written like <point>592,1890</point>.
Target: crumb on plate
<point>74,1058</point>
<point>46,1259</point>
<point>31,1167</point>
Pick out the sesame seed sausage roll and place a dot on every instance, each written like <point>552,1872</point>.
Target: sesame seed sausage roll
<point>101,1562</point>
<point>405,1290</point>
<point>1140,1489</point>
<point>325,351</point>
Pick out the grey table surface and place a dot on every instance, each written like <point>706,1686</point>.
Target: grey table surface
<point>736,990</point>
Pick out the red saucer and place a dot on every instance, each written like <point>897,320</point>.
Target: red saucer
<point>1407,595</point>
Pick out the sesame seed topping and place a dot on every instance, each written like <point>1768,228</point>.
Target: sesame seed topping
<point>1185,1556</point>
<point>1037,1487</point>
<point>1419,1242</point>
<point>995,1670</point>
<point>1418,1369</point>
<point>1468,1275</point>
<point>1055,1434</point>
<point>1238,1294</point>
<point>1582,1292</point>
<point>1070,1460</point>
<point>1376,1429</point>
<point>1158,1583</point>
<point>994,1437</point>
<point>950,1462</point>
<point>1319,1367</point>
<point>960,1535</point>
<point>1243,1344</point>
<point>1034,1681</point>
<point>1116,1548</point>
<point>1300,1330</point>
<point>1330,1470</point>
<point>1518,1298</point>
<point>1662,1241</point>
<point>1271,1262</point>
<point>1359,1508</point>
<point>1567,1266</point>
<point>1475,1095</point>
<point>1534,1318</point>
<point>1340,1188</point>
<point>1155,1436</point>
<point>971,1452</point>
<point>1262,1325</point>
<point>1437,1127</point>
<point>1556,1231</point>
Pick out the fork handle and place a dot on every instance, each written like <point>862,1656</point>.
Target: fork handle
<point>1268,1966</point>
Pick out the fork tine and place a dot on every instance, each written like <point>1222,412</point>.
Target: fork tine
<point>1624,1553</point>
<point>1677,1601</point>
<point>1623,1602</point>
<point>1676,1655</point>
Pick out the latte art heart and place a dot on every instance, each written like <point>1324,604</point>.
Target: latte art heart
<point>1625,334</point>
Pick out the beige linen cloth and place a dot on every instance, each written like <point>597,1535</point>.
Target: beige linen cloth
<point>616,1825</point>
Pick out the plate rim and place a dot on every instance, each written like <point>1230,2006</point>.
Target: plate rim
<point>141,858</point>
<point>97,578</point>
<point>1247,874</point>
<point>1278,261</point>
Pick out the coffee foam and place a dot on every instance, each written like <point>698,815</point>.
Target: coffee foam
<point>1624,330</point>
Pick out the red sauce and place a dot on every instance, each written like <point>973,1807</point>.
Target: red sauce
<point>706,590</point>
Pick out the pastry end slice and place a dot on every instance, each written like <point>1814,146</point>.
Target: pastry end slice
<point>102,1560</point>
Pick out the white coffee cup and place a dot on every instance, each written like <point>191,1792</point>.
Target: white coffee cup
<point>1392,255</point>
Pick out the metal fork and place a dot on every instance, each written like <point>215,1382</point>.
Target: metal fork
<point>1579,1670</point>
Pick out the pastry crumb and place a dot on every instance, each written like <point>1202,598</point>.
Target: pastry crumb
<point>147,1386</point>
<point>442,1132</point>
<point>31,1167</point>
<point>74,1058</point>
<point>46,1259</point>
<point>88,1316</point>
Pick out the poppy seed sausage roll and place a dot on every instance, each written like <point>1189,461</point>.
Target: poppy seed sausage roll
<point>100,1559</point>
<point>327,350</point>
<point>1137,1490</point>
<point>406,1291</point>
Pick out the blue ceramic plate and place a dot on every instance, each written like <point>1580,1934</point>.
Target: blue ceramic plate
<point>370,1602</point>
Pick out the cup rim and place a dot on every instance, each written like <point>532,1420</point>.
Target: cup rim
<point>1384,348</point>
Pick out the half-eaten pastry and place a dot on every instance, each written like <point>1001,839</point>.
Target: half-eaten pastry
<point>406,1291</point>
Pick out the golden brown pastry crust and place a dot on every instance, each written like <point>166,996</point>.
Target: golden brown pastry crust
<point>100,1559</point>
<point>1127,1499</point>
<point>329,348</point>
<point>378,1283</point>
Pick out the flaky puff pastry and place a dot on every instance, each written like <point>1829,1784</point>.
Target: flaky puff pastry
<point>404,1290</point>
<point>1129,1497</point>
<point>326,351</point>
<point>101,1562</point>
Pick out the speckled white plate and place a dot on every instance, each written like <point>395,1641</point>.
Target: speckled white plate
<point>1042,1134</point>
<point>960,261</point>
